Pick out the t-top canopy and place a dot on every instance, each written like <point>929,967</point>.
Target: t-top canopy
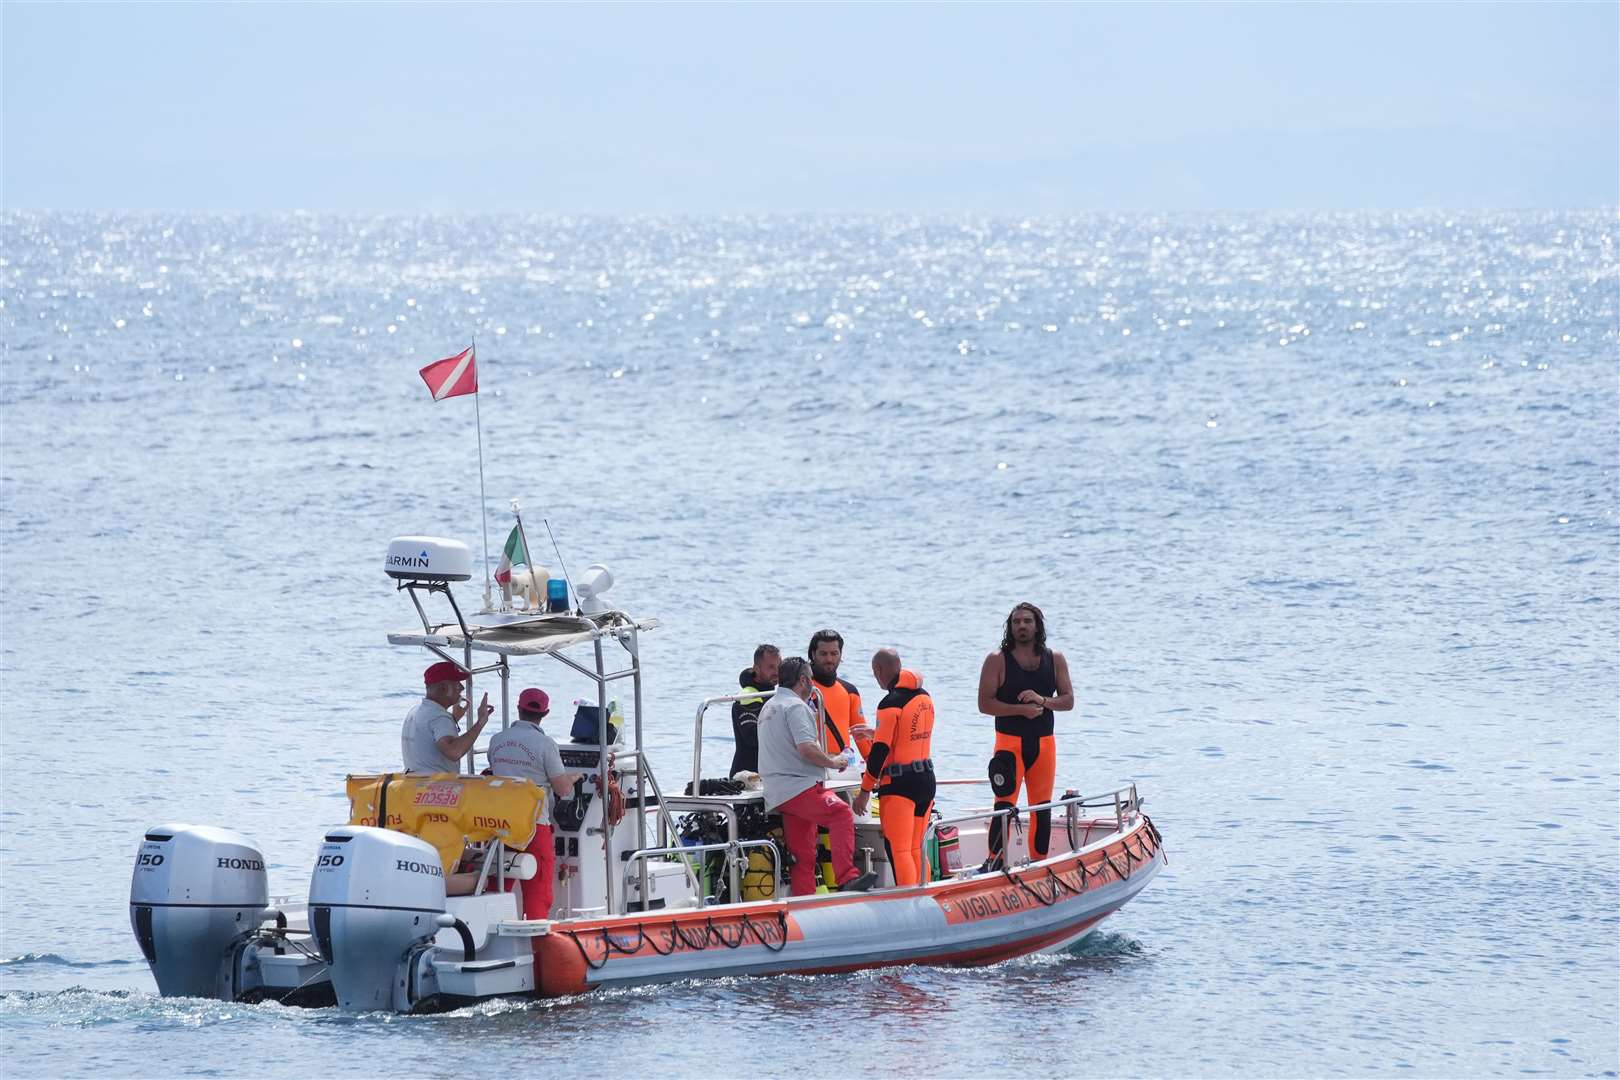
<point>533,635</point>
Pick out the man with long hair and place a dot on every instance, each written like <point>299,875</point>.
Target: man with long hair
<point>1021,685</point>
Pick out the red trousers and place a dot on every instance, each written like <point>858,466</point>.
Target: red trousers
<point>537,891</point>
<point>801,816</point>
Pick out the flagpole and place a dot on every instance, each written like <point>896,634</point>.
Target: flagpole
<point>483,509</point>
<point>540,596</point>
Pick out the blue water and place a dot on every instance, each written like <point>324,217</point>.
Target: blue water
<point>1321,509</point>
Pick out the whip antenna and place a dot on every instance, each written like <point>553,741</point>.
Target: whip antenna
<point>568,579</point>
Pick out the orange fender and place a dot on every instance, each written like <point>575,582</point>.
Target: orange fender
<point>559,966</point>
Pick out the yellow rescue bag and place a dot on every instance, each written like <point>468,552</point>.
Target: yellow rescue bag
<point>449,810</point>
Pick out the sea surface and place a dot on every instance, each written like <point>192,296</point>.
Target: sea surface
<point>1320,508</point>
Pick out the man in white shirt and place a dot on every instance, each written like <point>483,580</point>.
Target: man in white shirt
<point>792,764</point>
<point>429,742</point>
<point>524,751</point>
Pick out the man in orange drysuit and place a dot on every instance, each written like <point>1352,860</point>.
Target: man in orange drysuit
<point>900,759</point>
<point>1021,684</point>
<point>838,703</point>
<point>843,722</point>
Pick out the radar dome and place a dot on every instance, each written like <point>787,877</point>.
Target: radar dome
<point>428,558</point>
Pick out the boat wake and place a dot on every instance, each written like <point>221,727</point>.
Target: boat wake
<point>82,1007</point>
<point>57,960</point>
<point>1103,945</point>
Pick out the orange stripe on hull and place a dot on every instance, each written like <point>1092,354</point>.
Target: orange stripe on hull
<point>993,897</point>
<point>566,958</point>
<point>983,957</point>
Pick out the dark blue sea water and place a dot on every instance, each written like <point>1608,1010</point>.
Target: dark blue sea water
<point>1321,509</point>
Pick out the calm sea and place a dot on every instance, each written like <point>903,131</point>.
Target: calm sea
<point>1321,509</point>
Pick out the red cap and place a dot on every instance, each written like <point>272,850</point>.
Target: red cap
<point>534,700</point>
<point>443,671</point>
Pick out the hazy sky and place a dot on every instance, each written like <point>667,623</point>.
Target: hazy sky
<point>717,107</point>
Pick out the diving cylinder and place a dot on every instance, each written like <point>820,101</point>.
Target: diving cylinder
<point>195,891</point>
<point>374,893</point>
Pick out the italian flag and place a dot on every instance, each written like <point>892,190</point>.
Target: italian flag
<point>513,553</point>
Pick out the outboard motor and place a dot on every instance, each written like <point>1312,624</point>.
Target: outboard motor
<point>196,891</point>
<point>374,894</point>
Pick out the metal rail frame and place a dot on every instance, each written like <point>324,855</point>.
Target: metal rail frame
<point>1129,806</point>
<point>699,804</point>
<point>625,634</point>
<point>697,732</point>
<point>733,848</point>
<point>622,628</point>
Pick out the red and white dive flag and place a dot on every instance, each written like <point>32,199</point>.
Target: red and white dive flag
<point>452,376</point>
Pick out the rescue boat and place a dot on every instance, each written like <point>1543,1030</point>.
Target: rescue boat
<point>414,904</point>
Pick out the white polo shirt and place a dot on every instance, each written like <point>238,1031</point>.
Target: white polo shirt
<point>524,751</point>
<point>784,723</point>
<point>425,725</point>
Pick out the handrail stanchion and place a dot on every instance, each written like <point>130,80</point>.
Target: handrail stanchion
<point>697,733</point>
<point>666,825</point>
<point>1080,801</point>
<point>643,772</point>
<point>602,780</point>
<point>697,748</point>
<point>701,804</point>
<point>733,848</point>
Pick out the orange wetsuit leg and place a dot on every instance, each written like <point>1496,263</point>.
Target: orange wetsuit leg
<point>1006,778</point>
<point>919,827</point>
<point>906,802</point>
<point>1026,762</point>
<point>1039,775</point>
<point>897,821</point>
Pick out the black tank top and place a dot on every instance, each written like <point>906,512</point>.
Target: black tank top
<point>1014,681</point>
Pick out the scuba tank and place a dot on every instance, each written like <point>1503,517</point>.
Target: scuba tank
<point>758,881</point>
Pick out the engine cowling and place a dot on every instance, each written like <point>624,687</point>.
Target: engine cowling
<point>195,891</point>
<point>373,894</point>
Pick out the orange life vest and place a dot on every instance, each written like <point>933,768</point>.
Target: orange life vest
<point>905,728</point>
<point>841,709</point>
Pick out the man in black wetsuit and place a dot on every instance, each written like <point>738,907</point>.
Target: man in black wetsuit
<point>1021,685</point>
<point>757,680</point>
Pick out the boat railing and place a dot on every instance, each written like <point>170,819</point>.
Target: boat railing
<point>704,804</point>
<point>598,626</point>
<point>697,731</point>
<point>735,859</point>
<point>666,825</point>
<point>1124,801</point>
